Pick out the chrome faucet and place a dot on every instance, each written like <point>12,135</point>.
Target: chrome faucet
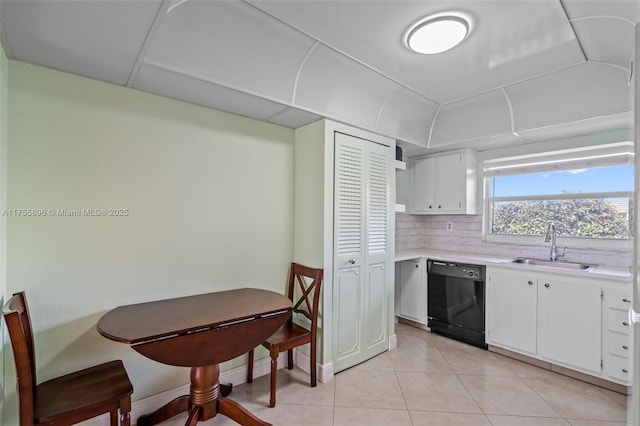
<point>550,237</point>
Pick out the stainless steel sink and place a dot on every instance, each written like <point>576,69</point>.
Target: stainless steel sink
<point>553,263</point>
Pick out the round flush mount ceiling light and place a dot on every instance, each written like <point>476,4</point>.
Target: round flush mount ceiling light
<point>438,33</point>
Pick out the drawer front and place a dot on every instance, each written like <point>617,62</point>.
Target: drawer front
<point>619,368</point>
<point>618,320</point>
<point>619,299</point>
<point>619,344</point>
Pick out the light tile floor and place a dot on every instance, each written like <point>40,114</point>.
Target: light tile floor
<point>431,380</point>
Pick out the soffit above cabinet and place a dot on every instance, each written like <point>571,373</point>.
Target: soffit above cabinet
<point>230,43</point>
<point>526,66</point>
<point>97,39</point>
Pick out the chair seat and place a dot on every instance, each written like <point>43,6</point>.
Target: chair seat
<point>304,291</point>
<point>79,391</point>
<point>290,334</point>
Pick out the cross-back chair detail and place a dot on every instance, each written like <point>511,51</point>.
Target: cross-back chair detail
<point>308,282</point>
<point>67,399</point>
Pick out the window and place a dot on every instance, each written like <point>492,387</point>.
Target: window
<point>587,193</point>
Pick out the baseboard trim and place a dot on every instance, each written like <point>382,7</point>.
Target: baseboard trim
<point>598,381</point>
<point>393,341</point>
<point>324,371</point>
<point>413,324</point>
<point>235,376</point>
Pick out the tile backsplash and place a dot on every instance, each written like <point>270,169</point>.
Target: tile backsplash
<point>430,232</point>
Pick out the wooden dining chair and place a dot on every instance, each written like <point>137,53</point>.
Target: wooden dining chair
<point>304,291</point>
<point>68,399</point>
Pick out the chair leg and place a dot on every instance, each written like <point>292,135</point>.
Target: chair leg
<point>274,379</point>
<point>125,411</point>
<point>290,359</point>
<point>312,367</point>
<point>113,417</point>
<point>250,367</point>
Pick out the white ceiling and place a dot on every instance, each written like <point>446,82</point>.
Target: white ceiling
<point>529,70</point>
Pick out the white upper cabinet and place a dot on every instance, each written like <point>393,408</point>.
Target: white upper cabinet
<point>444,183</point>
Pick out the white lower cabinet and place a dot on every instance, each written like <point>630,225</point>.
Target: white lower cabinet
<point>617,337</point>
<point>561,319</point>
<point>412,290</point>
<point>570,323</point>
<point>512,305</point>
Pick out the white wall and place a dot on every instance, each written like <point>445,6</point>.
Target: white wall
<point>210,202</point>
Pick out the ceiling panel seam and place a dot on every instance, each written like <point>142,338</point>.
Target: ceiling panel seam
<point>515,83</point>
<point>510,106</point>
<point>257,6</point>
<point>164,8</point>
<point>210,81</point>
<point>384,104</point>
<point>433,123</point>
<point>609,64</point>
<point>5,43</point>
<point>299,72</point>
<point>275,114</point>
<point>595,17</point>
<point>573,30</point>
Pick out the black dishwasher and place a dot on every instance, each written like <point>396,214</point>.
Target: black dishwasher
<point>455,302</point>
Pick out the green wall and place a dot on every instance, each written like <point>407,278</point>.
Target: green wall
<point>210,207</point>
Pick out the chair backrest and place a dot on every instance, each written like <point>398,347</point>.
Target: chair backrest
<point>304,292</point>
<point>16,316</point>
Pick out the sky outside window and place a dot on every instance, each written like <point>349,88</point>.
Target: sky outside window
<point>603,179</point>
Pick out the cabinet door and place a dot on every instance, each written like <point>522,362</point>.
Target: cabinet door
<point>348,312</point>
<point>378,218</point>
<point>570,323</point>
<point>424,172</point>
<point>512,311</point>
<point>448,197</point>
<point>411,290</point>
<point>362,212</point>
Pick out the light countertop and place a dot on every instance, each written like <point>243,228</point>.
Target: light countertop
<point>610,273</point>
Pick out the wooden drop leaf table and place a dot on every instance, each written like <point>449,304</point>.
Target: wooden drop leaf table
<point>199,332</point>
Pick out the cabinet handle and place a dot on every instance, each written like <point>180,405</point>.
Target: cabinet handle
<point>625,323</point>
<point>624,370</point>
<point>430,207</point>
<point>439,207</point>
<point>625,347</point>
<point>530,282</point>
<point>417,266</point>
<point>352,261</point>
<point>547,285</point>
<point>626,300</point>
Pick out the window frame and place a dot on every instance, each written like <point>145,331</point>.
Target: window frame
<point>624,150</point>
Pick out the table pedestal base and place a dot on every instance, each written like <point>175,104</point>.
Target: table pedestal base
<point>206,399</point>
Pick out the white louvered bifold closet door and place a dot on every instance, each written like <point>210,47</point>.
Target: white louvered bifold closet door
<point>361,243</point>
